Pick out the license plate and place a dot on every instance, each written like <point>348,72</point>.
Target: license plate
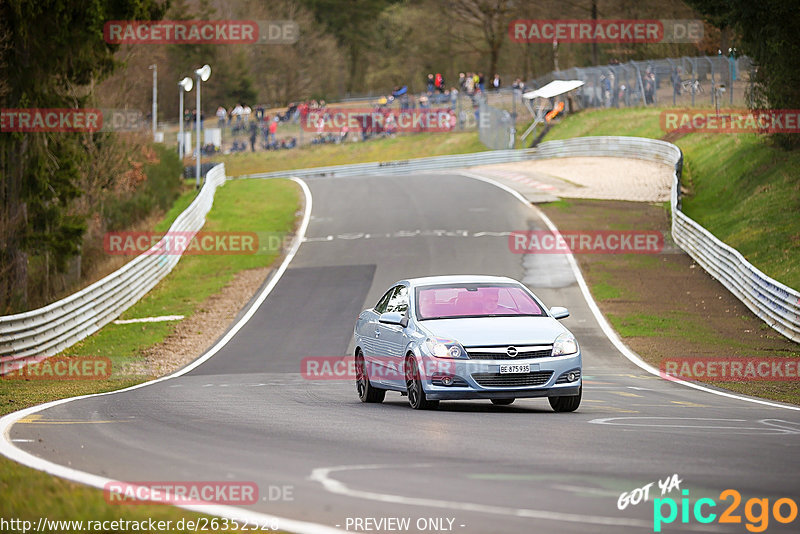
<point>515,368</point>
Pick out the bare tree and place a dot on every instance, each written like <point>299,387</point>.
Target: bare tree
<point>490,18</point>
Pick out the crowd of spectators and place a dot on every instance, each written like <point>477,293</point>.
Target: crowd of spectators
<point>256,128</point>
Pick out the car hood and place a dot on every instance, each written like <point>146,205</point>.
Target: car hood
<point>487,331</point>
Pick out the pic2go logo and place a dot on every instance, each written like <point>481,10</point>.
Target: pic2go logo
<point>756,511</point>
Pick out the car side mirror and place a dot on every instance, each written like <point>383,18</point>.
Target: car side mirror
<point>559,312</point>
<point>394,318</point>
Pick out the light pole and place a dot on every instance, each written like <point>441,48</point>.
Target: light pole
<point>154,68</point>
<point>184,85</point>
<point>202,74</point>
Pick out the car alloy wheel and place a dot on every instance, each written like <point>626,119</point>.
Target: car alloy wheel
<point>366,391</point>
<point>416,395</point>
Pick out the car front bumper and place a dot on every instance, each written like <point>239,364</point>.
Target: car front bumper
<point>481,379</point>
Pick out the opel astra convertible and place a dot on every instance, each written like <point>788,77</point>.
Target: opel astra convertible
<point>466,337</point>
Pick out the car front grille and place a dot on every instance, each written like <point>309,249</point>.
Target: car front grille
<point>496,380</point>
<point>479,355</point>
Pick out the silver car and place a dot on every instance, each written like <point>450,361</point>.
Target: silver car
<point>466,337</point>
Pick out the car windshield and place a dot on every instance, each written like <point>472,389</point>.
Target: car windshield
<point>474,300</point>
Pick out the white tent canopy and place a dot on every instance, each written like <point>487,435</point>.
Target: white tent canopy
<point>555,88</point>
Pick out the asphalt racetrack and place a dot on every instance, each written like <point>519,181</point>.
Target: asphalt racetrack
<point>247,414</point>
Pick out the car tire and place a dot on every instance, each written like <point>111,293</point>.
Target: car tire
<point>416,394</point>
<point>566,404</point>
<point>366,391</point>
<point>502,402</point>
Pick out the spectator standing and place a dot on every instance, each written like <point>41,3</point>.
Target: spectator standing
<point>246,111</point>
<point>430,83</point>
<point>438,82</point>
<point>496,82</point>
<point>649,86</point>
<point>605,85</point>
<point>222,117</point>
<point>236,116</point>
<point>675,77</point>
<point>253,135</point>
<point>273,129</point>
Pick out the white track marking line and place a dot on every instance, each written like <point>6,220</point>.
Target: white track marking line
<point>323,476</point>
<point>789,426</point>
<point>160,319</point>
<point>767,429</point>
<point>600,318</point>
<point>8,450</point>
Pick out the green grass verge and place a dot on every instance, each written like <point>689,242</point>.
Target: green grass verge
<point>743,189</point>
<point>636,122</point>
<point>674,324</point>
<point>386,149</point>
<point>251,205</point>
<point>606,291</point>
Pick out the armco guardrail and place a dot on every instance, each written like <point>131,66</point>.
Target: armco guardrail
<point>49,330</point>
<point>406,166</point>
<point>775,303</point>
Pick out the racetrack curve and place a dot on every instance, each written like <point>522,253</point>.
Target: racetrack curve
<point>247,415</point>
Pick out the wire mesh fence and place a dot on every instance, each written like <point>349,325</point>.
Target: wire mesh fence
<point>704,81</point>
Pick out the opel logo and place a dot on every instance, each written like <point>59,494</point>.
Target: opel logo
<point>512,352</point>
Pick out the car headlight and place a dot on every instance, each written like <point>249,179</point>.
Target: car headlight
<point>444,348</point>
<point>565,344</point>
